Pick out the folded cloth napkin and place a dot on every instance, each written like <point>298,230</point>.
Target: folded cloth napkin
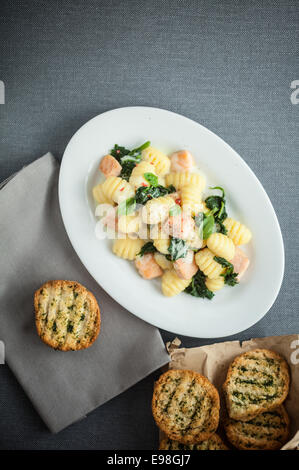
<point>34,247</point>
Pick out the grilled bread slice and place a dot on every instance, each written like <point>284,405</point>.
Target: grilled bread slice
<point>213,443</point>
<point>267,431</point>
<point>256,381</point>
<point>67,315</point>
<point>185,406</point>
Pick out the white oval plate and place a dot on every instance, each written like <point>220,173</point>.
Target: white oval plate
<point>233,309</point>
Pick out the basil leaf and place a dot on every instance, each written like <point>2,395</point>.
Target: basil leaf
<point>126,207</point>
<point>177,249</point>
<point>151,179</point>
<point>206,224</point>
<point>175,210</point>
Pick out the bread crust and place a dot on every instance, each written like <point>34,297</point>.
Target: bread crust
<point>213,443</point>
<point>185,406</point>
<point>265,383</point>
<point>267,431</point>
<point>77,325</point>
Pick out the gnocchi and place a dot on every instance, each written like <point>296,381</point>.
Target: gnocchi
<point>161,220</point>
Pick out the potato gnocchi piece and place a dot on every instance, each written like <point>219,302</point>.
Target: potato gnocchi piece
<point>206,263</point>
<point>238,232</point>
<point>195,242</point>
<point>129,223</point>
<point>117,189</point>
<point>157,210</point>
<point>178,180</point>
<point>172,284</point>
<point>137,178</point>
<point>99,195</point>
<point>215,284</point>
<point>162,261</point>
<point>191,195</point>
<point>160,161</point>
<point>221,245</point>
<point>127,248</point>
<point>162,245</point>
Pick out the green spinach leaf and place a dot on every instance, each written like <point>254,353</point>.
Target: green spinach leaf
<point>177,249</point>
<point>147,248</point>
<point>206,224</point>
<point>126,207</point>
<point>198,287</point>
<point>118,152</point>
<point>145,193</point>
<point>151,179</point>
<point>217,206</point>
<point>142,147</point>
<point>128,158</point>
<point>230,277</point>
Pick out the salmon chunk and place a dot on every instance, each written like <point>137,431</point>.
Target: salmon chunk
<point>186,267</point>
<point>240,262</point>
<point>179,226</point>
<point>182,161</point>
<point>148,267</point>
<point>109,166</point>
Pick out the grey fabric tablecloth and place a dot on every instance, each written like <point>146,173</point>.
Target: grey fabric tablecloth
<point>63,386</point>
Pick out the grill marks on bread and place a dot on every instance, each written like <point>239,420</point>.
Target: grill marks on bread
<point>67,315</point>
<point>267,431</point>
<point>213,443</point>
<point>256,381</point>
<point>185,406</point>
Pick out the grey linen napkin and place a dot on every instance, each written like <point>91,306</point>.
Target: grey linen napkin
<point>63,386</point>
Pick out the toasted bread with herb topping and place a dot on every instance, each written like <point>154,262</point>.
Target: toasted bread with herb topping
<point>213,443</point>
<point>256,381</point>
<point>267,431</point>
<point>185,406</point>
<point>67,315</point>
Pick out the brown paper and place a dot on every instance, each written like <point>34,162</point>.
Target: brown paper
<point>213,361</point>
